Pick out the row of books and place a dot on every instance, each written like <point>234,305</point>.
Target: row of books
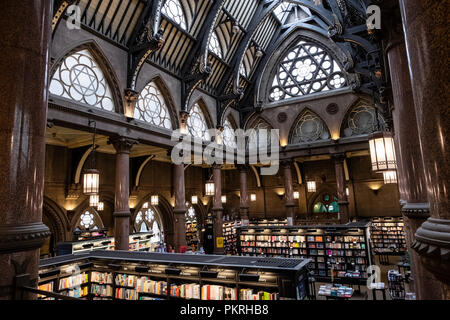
<point>45,287</point>
<point>101,277</point>
<point>250,294</point>
<point>101,290</point>
<point>146,285</point>
<point>77,292</point>
<point>126,294</point>
<point>73,281</point>
<point>335,291</point>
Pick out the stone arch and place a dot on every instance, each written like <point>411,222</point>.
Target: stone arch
<point>100,58</point>
<point>168,98</point>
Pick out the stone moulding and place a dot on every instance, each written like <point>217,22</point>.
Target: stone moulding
<point>15,238</point>
<point>432,243</point>
<point>416,210</point>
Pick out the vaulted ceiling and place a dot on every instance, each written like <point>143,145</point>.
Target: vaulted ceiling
<point>220,46</point>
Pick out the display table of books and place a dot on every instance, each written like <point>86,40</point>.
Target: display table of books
<point>335,291</point>
<point>120,275</point>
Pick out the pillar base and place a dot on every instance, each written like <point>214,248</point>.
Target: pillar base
<point>416,210</point>
<point>432,243</point>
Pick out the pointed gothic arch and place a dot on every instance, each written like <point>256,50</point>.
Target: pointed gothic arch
<point>199,120</point>
<point>309,127</point>
<point>155,105</point>
<point>85,76</point>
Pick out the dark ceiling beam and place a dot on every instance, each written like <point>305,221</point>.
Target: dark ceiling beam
<point>263,8</point>
<point>196,69</point>
<point>147,38</point>
<point>59,9</point>
<point>204,35</point>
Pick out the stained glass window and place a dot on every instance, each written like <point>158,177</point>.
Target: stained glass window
<point>363,120</point>
<point>310,128</point>
<point>214,45</point>
<point>152,108</point>
<point>327,205</point>
<point>174,10</point>
<point>147,220</point>
<point>255,135</point>
<point>196,124</point>
<point>306,69</point>
<point>89,220</point>
<point>80,78</point>
<point>229,138</point>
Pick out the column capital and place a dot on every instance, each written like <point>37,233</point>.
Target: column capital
<point>217,166</point>
<point>287,163</point>
<point>122,144</point>
<point>242,167</point>
<point>339,157</point>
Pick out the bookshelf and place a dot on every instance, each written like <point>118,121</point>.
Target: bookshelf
<point>230,235</point>
<point>138,242</point>
<point>339,253</point>
<point>110,275</point>
<point>387,235</point>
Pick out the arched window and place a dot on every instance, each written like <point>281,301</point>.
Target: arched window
<point>147,220</point>
<point>310,128</point>
<point>152,108</point>
<point>89,221</point>
<point>363,120</point>
<point>196,124</point>
<point>81,79</point>
<point>174,10</point>
<point>229,138</point>
<point>192,236</point>
<point>326,204</point>
<point>255,135</point>
<point>214,45</point>
<point>306,69</point>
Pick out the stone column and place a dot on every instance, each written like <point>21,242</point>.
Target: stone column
<point>25,31</point>
<point>340,182</point>
<point>180,207</point>
<point>289,192</point>
<point>217,208</point>
<point>244,206</point>
<point>426,34</point>
<point>411,178</point>
<point>122,212</point>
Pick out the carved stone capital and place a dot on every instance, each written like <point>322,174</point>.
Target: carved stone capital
<point>432,243</point>
<point>122,144</point>
<point>14,238</point>
<point>339,157</point>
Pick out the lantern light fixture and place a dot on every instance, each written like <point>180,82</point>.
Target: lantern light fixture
<point>154,200</point>
<point>253,197</point>
<point>194,200</point>
<point>347,191</point>
<point>101,206</point>
<point>224,199</point>
<point>312,186</point>
<point>382,152</point>
<point>296,195</point>
<point>209,188</point>
<point>390,177</point>
<point>91,182</point>
<point>94,199</point>
<point>91,176</point>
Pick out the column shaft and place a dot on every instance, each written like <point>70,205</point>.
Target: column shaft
<point>244,206</point>
<point>217,209</point>
<point>289,192</point>
<point>180,207</point>
<point>340,184</point>
<point>411,177</point>
<point>122,212</point>
<point>25,31</point>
